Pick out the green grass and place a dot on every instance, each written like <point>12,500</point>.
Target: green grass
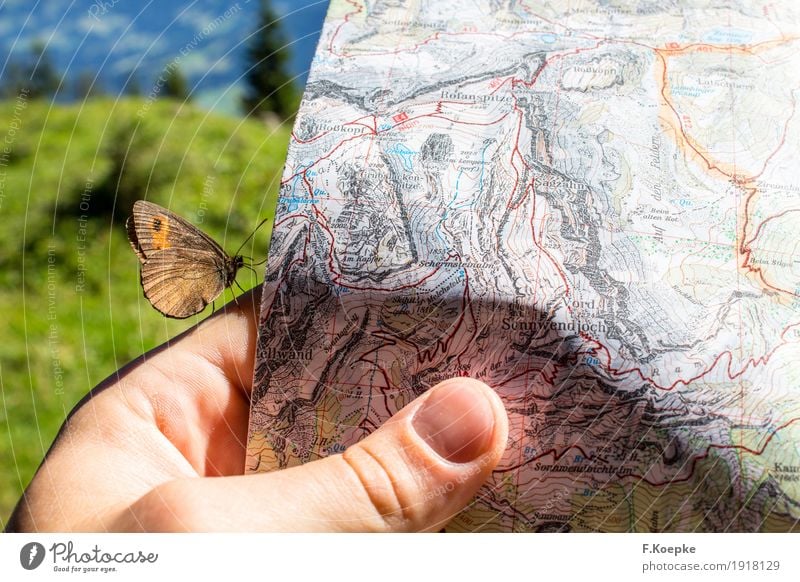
<point>65,328</point>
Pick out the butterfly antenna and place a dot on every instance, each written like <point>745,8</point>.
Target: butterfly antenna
<point>252,234</point>
<point>259,263</point>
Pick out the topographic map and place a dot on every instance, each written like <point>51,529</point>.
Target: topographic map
<point>593,207</point>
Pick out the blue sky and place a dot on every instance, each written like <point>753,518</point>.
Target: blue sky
<point>113,38</point>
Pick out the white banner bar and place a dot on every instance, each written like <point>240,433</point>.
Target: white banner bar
<point>402,558</point>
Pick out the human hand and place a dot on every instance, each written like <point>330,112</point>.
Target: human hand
<point>160,446</point>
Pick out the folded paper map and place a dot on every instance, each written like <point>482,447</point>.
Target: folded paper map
<point>593,207</point>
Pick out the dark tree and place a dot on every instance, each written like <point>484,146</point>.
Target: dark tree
<point>270,87</point>
<point>43,80</point>
<point>133,88</point>
<point>174,84</point>
<point>86,86</point>
<point>34,73</point>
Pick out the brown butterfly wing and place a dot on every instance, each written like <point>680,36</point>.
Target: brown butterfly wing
<point>180,282</point>
<point>153,228</point>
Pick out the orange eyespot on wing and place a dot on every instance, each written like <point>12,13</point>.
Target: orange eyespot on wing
<point>159,232</point>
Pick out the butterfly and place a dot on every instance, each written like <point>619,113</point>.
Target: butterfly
<point>183,269</point>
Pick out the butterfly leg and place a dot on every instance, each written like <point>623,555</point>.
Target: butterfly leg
<point>235,297</point>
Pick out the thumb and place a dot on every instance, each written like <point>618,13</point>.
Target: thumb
<point>414,473</point>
